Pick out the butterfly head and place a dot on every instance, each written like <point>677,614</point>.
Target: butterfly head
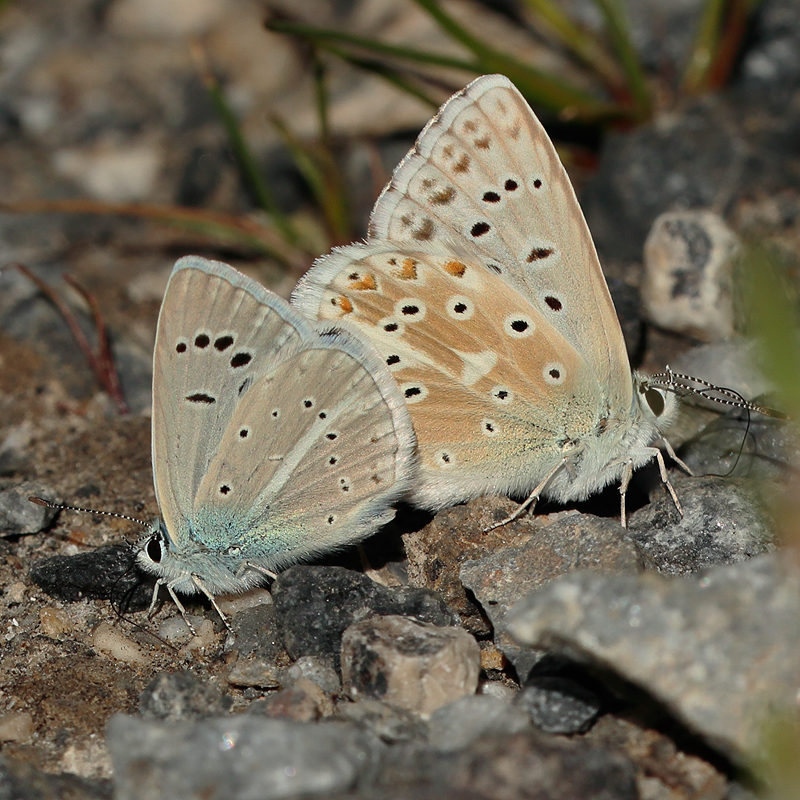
<point>655,402</point>
<point>183,570</point>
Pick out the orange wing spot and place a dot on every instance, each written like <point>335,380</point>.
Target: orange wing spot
<point>364,283</point>
<point>343,304</point>
<point>455,268</point>
<point>408,271</point>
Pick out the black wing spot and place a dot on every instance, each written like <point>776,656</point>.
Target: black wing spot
<point>332,436</point>
<point>390,327</point>
<point>240,360</point>
<point>519,325</point>
<point>537,184</point>
<point>201,397</point>
<point>410,311</point>
<point>224,489</point>
<point>491,197</point>
<point>511,185</point>
<point>480,228</point>
<point>244,433</point>
<point>554,303</point>
<point>180,347</point>
<point>413,391</point>
<point>201,340</point>
<point>391,360</point>
<point>322,415</point>
<point>538,253</point>
<point>308,402</point>
<point>223,343</point>
<point>333,461</point>
<point>555,374</point>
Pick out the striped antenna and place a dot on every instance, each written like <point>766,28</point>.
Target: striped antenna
<point>686,385</point>
<point>63,507</point>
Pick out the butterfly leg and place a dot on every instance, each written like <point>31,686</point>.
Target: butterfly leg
<point>180,607</point>
<point>202,587</point>
<point>623,491</point>
<point>673,455</point>
<point>530,501</point>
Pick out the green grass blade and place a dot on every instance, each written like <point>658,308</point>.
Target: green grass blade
<point>619,33</point>
<point>538,86</point>
<point>251,173</point>
<point>581,43</point>
<point>705,45</point>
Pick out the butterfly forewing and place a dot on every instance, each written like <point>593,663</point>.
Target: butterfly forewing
<point>485,174</point>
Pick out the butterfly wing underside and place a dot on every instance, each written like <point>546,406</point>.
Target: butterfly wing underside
<point>268,435</point>
<point>484,174</point>
<point>494,389</point>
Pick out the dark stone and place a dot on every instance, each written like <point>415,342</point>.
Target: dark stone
<point>557,704</point>
<point>314,606</point>
<point>107,573</point>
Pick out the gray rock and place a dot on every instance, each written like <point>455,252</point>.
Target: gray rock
<point>530,764</point>
<point>18,515</point>
<point>316,670</point>
<point>179,696</point>
<point>744,445</point>
<point>314,606</point>
<point>733,365</point>
<point>722,523</point>
<point>708,155</point>
<point>409,664</point>
<point>716,651</point>
<point>557,704</point>
<point>256,632</point>
<point>389,723</point>
<point>501,579</point>
<point>456,725</point>
<point>246,757</point>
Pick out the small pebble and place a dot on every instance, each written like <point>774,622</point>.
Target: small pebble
<point>16,726</point>
<point>15,593</point>
<point>111,642</point>
<point>253,672</point>
<point>234,603</point>
<point>176,631</point>
<point>54,621</point>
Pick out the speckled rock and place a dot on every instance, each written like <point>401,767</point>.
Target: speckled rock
<point>723,522</point>
<point>237,758</point>
<point>18,515</point>
<point>687,285</point>
<point>580,541</point>
<point>698,645</point>
<point>410,664</point>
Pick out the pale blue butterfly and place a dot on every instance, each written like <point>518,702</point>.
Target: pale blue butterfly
<point>480,287</point>
<point>273,439</point>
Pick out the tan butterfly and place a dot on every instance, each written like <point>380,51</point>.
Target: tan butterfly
<point>480,288</point>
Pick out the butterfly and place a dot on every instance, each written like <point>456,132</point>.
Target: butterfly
<point>480,287</point>
<point>274,439</point>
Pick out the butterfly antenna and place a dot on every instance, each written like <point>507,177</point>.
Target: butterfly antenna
<point>687,385</point>
<point>39,501</point>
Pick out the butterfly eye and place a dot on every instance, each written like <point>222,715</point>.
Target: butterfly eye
<point>153,549</point>
<point>655,400</point>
